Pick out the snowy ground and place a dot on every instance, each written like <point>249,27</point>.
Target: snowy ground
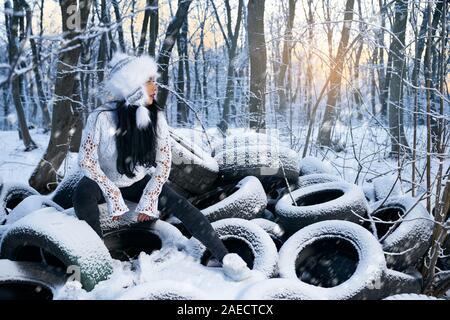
<point>368,152</point>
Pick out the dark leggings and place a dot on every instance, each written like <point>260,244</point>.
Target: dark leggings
<point>88,195</point>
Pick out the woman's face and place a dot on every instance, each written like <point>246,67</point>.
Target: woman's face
<point>152,90</point>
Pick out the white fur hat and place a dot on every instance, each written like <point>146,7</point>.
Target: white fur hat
<point>126,79</point>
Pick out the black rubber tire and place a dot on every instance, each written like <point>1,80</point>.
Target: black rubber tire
<point>127,242</point>
<point>126,238</point>
<point>29,205</point>
<point>316,178</point>
<point>28,281</point>
<point>11,194</point>
<point>312,165</point>
<point>193,169</point>
<point>275,231</point>
<point>246,239</point>
<point>386,186</point>
<point>327,201</point>
<point>277,289</point>
<point>338,259</point>
<point>245,199</point>
<point>410,238</point>
<point>65,189</point>
<point>246,139</point>
<point>164,290</point>
<point>264,162</point>
<point>411,296</point>
<point>64,241</point>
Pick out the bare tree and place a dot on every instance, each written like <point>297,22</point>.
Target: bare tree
<point>258,61</point>
<point>286,56</point>
<point>332,111</point>
<point>172,32</point>
<point>74,20</point>
<point>15,47</point>
<point>399,145</point>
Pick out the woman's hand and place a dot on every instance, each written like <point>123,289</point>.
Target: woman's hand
<point>116,218</point>
<point>143,217</point>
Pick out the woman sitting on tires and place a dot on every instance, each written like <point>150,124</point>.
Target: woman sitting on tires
<point>122,143</point>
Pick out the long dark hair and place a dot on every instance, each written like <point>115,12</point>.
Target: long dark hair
<point>135,146</point>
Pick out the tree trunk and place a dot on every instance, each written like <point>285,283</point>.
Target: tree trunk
<point>258,61</point>
<point>399,145</point>
<point>154,26</point>
<point>119,27</point>
<point>286,57</point>
<point>14,55</point>
<point>172,32</point>
<point>74,23</point>
<point>331,111</point>
<point>182,112</point>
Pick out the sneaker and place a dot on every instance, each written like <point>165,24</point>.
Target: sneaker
<point>235,268</point>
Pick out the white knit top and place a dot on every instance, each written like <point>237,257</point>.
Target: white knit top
<point>97,160</point>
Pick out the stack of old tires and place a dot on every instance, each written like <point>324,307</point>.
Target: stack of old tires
<point>305,230</point>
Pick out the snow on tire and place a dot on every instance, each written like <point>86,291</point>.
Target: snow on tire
<point>275,231</point>
<point>28,281</point>
<point>312,165</point>
<point>386,186</point>
<point>126,238</point>
<point>164,290</point>
<point>411,296</point>
<point>65,189</point>
<point>268,163</point>
<point>277,289</point>
<point>405,230</point>
<point>247,139</point>
<point>245,200</point>
<point>28,205</point>
<point>64,241</point>
<point>11,194</point>
<point>327,201</point>
<point>192,168</point>
<point>316,178</point>
<point>340,260</point>
<point>246,239</point>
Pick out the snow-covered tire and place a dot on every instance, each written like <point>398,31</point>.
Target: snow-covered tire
<point>338,260</point>
<point>382,187</point>
<point>65,241</point>
<point>264,162</point>
<point>246,239</point>
<point>192,168</point>
<point>29,205</point>
<point>11,194</point>
<point>126,238</point>
<point>28,281</point>
<point>316,178</point>
<point>369,192</point>
<point>65,189</point>
<point>278,289</point>
<point>410,237</point>
<point>275,231</point>
<point>327,201</point>
<point>164,290</point>
<point>247,139</point>
<point>127,242</point>
<point>245,199</point>
<point>411,296</point>
<point>312,165</point>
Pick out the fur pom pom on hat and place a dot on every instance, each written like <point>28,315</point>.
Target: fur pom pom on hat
<point>126,79</point>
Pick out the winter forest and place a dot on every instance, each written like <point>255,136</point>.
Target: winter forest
<point>340,109</point>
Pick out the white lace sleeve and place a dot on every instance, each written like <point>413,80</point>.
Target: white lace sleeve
<point>148,204</point>
<point>88,162</point>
